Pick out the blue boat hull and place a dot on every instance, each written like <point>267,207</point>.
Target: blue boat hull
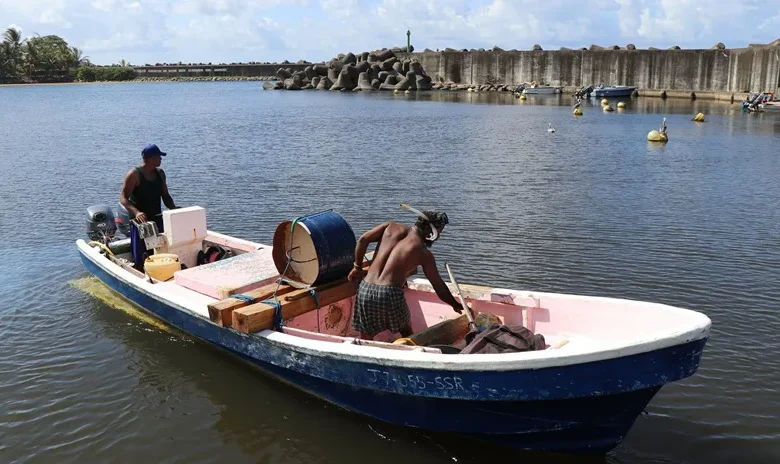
<point>583,408</point>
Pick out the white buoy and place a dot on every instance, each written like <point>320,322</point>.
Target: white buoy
<point>550,128</point>
<point>604,102</point>
<point>621,105</point>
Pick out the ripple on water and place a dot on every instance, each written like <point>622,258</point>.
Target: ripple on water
<point>592,209</point>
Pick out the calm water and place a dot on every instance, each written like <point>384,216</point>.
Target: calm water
<point>591,209</point>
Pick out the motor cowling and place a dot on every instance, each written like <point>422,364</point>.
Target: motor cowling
<point>101,223</point>
<point>122,220</point>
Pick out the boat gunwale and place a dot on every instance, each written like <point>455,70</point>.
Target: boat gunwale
<point>416,359</point>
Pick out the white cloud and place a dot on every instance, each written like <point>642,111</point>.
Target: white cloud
<point>267,30</point>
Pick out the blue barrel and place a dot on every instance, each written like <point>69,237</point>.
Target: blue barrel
<point>317,249</point>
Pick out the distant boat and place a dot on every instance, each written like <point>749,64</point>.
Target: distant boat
<point>542,90</point>
<point>613,91</point>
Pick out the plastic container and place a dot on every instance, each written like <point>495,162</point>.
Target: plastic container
<point>323,248</point>
<point>161,266</point>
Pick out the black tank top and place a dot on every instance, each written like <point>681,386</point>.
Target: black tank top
<point>147,195</point>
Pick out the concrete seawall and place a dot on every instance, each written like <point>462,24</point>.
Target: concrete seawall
<point>224,70</point>
<point>752,69</point>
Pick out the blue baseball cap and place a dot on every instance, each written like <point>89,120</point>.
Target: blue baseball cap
<point>152,150</point>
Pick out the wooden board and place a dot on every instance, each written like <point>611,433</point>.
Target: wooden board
<point>221,312</point>
<point>444,333</point>
<point>259,316</point>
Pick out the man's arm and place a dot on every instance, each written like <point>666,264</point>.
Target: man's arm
<point>131,180</point>
<point>166,197</point>
<point>373,235</point>
<point>432,273</point>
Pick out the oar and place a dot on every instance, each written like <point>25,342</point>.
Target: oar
<point>473,330</point>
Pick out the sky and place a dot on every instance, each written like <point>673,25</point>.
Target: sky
<point>156,31</point>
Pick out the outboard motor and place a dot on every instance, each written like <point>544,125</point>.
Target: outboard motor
<point>122,220</point>
<point>101,225</point>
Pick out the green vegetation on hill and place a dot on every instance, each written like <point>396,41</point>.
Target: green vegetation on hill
<point>51,59</point>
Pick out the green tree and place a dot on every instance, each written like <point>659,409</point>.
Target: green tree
<point>77,58</point>
<point>52,55</point>
<point>11,52</point>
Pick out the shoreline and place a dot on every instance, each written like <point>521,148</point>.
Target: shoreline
<point>152,79</point>
<point>729,97</point>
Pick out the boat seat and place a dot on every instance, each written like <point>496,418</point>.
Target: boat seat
<point>444,333</point>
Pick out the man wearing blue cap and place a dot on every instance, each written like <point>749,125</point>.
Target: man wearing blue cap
<point>143,189</point>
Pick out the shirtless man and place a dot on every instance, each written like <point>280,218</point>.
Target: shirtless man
<point>380,303</point>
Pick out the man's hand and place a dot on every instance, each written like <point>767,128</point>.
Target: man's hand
<point>356,275</point>
<point>140,217</point>
<point>457,307</point>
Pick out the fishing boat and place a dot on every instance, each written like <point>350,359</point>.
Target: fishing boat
<point>536,89</point>
<point>773,105</point>
<point>285,308</point>
<point>613,91</point>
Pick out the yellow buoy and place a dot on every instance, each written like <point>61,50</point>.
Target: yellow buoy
<point>604,102</point>
<point>608,108</point>
<point>523,97</point>
<point>699,117</point>
<point>395,92</point>
<point>578,112</point>
<point>655,136</point>
<point>407,92</point>
<point>621,105</point>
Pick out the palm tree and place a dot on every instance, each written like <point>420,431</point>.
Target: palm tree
<point>31,59</point>
<point>13,36</point>
<point>78,58</point>
<point>12,49</point>
<point>123,63</point>
<point>5,60</point>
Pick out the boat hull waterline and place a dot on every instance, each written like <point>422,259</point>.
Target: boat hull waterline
<point>535,409</point>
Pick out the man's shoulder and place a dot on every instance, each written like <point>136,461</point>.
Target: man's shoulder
<point>398,225</point>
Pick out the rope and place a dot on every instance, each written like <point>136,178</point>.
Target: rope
<point>278,320</point>
<point>317,302</point>
<point>103,246</point>
<point>245,298</point>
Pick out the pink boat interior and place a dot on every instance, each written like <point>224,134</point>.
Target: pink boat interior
<point>567,322</point>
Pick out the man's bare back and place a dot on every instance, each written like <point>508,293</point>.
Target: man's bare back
<point>400,249</point>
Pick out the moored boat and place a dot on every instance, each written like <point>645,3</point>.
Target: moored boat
<point>535,89</point>
<point>613,91</point>
<point>603,362</point>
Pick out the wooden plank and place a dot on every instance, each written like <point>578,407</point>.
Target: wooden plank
<point>444,333</point>
<point>221,311</point>
<point>259,316</point>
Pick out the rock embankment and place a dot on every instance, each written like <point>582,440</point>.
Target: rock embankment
<point>368,71</point>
